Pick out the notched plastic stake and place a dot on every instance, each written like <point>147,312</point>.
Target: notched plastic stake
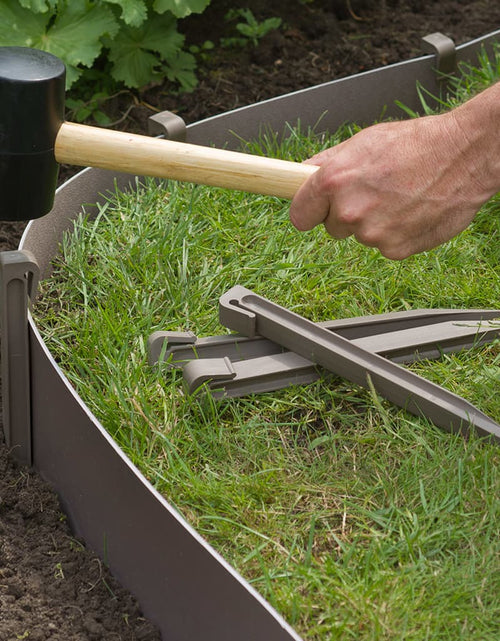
<point>402,387</point>
<point>18,281</point>
<point>274,369</point>
<point>404,336</point>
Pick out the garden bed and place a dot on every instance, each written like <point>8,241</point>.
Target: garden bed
<point>302,490</point>
<point>56,593</point>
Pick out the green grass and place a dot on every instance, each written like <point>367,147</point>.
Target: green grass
<point>354,519</point>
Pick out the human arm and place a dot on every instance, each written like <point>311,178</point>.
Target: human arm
<point>406,187</point>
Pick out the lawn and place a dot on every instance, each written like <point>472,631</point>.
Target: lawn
<point>351,517</point>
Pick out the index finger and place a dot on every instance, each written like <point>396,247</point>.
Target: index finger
<point>310,205</point>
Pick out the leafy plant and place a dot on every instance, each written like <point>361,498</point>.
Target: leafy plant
<point>202,51</point>
<point>139,37</point>
<point>82,110</point>
<point>251,29</point>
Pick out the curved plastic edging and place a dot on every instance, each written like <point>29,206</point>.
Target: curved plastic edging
<point>182,584</point>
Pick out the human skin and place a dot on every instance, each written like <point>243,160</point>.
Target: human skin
<point>407,186</point>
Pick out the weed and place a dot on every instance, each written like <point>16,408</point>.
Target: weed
<point>82,110</point>
<point>58,571</point>
<point>250,28</point>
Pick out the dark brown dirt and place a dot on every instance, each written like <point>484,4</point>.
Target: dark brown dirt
<point>51,588</point>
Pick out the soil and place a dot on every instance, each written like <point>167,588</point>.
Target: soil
<point>51,587</point>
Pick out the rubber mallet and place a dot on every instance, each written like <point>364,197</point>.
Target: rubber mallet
<point>34,138</point>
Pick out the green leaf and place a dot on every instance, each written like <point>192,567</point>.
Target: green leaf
<point>102,119</point>
<point>180,8</point>
<point>161,35</point>
<point>75,35</point>
<point>38,6</point>
<point>137,69</point>
<point>181,69</point>
<point>76,32</point>
<point>134,12</point>
<point>20,27</point>
<point>133,50</point>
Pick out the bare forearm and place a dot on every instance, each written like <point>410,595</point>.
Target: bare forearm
<point>479,120</point>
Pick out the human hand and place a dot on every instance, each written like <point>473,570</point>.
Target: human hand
<point>403,187</point>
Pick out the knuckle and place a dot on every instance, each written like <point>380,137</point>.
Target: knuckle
<point>395,252</point>
<point>327,180</point>
<point>348,216</point>
<point>390,247</point>
<point>371,237</point>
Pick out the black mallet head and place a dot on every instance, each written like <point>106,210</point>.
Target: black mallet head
<point>32,87</point>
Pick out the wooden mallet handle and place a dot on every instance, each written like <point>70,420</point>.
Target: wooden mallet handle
<point>142,155</point>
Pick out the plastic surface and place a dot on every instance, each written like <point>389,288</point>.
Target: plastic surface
<point>242,310</point>
<point>234,365</point>
<point>18,281</point>
<point>402,329</point>
<point>444,48</point>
